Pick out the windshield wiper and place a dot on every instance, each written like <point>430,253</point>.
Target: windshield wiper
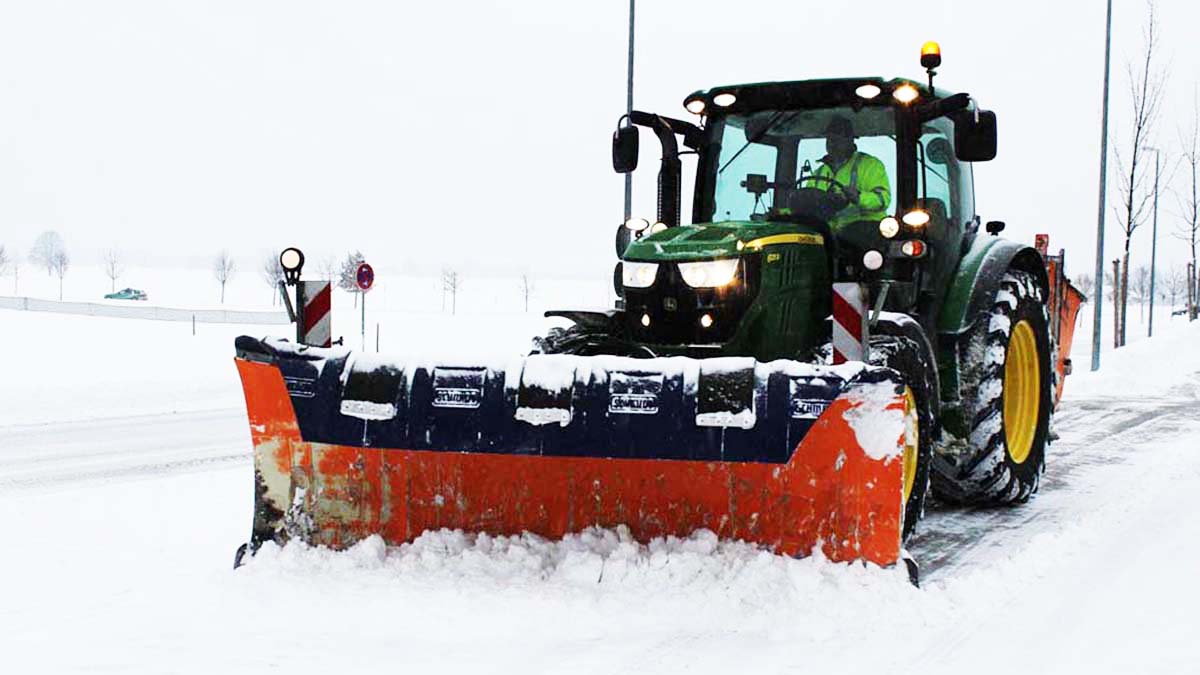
<point>757,137</point>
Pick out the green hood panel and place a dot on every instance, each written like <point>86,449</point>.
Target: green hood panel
<point>709,241</point>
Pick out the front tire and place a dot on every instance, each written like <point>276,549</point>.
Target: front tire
<point>899,343</point>
<point>1007,402</point>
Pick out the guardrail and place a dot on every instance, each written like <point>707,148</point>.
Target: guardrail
<point>140,311</point>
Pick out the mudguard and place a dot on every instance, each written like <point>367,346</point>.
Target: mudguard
<point>789,455</point>
<point>972,290</point>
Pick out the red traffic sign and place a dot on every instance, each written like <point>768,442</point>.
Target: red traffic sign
<point>364,277</point>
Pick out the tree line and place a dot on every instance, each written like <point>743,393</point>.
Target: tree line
<point>1148,168</point>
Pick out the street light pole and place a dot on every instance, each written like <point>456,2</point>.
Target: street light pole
<point>1099,300</point>
<point>628,110</point>
<point>1154,239</point>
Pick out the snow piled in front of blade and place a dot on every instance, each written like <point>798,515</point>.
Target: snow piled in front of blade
<point>878,424</point>
<point>699,580</point>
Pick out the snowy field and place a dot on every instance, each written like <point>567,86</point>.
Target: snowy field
<point>125,486</point>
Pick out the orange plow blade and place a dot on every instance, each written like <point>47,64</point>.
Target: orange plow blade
<point>787,455</point>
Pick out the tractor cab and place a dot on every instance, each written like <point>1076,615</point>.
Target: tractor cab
<point>767,173</point>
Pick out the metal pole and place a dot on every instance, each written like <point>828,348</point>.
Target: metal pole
<point>1154,242</point>
<point>363,324</point>
<point>629,109</point>
<point>376,337</point>
<point>1099,304</point>
<point>300,301</point>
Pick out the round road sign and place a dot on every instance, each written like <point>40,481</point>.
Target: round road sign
<point>365,276</point>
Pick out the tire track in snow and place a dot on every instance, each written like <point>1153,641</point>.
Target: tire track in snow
<point>1094,433</point>
<point>44,456</point>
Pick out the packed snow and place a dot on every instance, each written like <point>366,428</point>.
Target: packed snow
<point>125,487</point>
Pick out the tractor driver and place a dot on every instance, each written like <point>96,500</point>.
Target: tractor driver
<point>861,177</point>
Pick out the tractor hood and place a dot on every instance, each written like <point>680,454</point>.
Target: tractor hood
<point>709,241</point>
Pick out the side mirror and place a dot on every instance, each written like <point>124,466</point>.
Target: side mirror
<point>624,237</point>
<point>625,149</point>
<point>975,137</point>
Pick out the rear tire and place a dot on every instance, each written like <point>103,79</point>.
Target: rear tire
<point>1007,402</point>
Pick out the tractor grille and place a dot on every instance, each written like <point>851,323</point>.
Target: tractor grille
<point>675,309</point>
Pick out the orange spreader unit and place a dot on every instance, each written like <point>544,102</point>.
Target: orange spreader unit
<point>831,492</point>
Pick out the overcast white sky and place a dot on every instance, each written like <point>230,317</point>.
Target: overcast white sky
<point>477,133</point>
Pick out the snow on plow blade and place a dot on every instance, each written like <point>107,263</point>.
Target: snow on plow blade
<point>784,454</point>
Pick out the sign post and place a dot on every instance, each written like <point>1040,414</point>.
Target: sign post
<point>365,278</point>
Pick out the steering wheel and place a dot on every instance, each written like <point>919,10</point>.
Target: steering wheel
<point>829,181</point>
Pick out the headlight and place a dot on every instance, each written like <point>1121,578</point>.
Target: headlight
<point>712,274</point>
<point>638,274</point>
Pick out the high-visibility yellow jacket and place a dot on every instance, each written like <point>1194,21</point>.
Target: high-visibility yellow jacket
<point>869,177</point>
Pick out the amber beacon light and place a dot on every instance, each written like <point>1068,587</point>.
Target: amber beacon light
<point>931,58</point>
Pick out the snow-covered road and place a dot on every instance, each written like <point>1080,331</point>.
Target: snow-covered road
<point>120,534</point>
<point>40,456</point>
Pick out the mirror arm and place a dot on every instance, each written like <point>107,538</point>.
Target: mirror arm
<point>943,106</point>
<point>693,136</point>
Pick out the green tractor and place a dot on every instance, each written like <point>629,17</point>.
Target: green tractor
<point>829,337</point>
<point>961,315</point>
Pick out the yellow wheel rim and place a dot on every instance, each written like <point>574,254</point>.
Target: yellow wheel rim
<point>911,442</point>
<point>1022,389</point>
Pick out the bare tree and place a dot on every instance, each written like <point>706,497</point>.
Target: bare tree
<point>527,288</point>
<point>45,248</point>
<point>451,283</point>
<point>1141,288</point>
<point>3,260</point>
<point>15,266</point>
<point>1085,284</point>
<point>1174,286</point>
<point>271,272</point>
<point>1188,230</point>
<point>347,278</point>
<point>1146,84</point>
<point>112,267</point>
<point>223,270</point>
<point>327,268</point>
<point>59,266</point>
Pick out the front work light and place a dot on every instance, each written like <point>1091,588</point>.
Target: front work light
<point>872,260</point>
<point>636,224</point>
<point>916,218</point>
<point>710,274</point>
<point>638,274</point>
<point>695,106</point>
<point>657,227</point>
<point>724,100</point>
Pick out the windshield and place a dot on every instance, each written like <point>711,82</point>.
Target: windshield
<point>766,155</point>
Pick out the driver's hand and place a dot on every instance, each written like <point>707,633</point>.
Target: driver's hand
<point>852,194</point>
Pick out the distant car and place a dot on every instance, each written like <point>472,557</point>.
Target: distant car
<point>126,294</point>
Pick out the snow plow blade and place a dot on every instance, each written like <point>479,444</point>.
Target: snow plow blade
<point>784,454</point>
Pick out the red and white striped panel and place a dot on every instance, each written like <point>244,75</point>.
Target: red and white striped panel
<point>317,330</point>
<point>849,311</point>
